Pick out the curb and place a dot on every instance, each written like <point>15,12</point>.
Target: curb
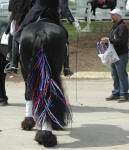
<point>89,75</point>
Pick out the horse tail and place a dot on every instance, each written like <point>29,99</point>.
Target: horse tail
<point>47,95</point>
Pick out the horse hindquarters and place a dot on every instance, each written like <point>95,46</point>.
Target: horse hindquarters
<point>43,66</point>
<point>25,57</point>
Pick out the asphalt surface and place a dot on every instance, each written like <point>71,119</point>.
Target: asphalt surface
<point>97,124</point>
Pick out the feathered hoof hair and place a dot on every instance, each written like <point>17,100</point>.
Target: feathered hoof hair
<point>46,138</point>
<point>28,123</point>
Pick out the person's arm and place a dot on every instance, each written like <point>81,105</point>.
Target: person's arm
<point>104,40</point>
<point>32,15</point>
<point>63,4</point>
<point>8,28</point>
<point>11,3</point>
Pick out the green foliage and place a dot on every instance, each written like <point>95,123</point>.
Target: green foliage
<point>104,68</point>
<point>72,3</point>
<point>95,27</point>
<point>100,26</point>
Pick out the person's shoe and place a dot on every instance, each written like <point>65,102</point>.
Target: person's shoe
<point>10,69</point>
<point>67,72</point>
<point>112,97</point>
<point>123,99</point>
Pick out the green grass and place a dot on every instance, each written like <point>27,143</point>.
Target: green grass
<point>100,26</point>
<point>72,31</point>
<point>103,69</point>
<point>95,27</point>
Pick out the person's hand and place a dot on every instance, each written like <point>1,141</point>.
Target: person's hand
<point>77,25</point>
<point>104,40</point>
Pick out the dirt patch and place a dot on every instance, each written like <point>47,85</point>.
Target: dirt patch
<point>83,53</point>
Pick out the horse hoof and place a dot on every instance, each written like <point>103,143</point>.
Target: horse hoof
<point>28,123</point>
<point>46,138</point>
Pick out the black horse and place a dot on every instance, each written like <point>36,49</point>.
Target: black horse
<point>42,49</point>
<point>42,57</point>
<point>3,62</point>
<point>103,4</point>
<point>37,39</point>
<point>18,9</point>
<point>3,97</point>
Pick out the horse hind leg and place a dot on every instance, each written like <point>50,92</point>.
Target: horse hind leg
<point>44,135</point>
<point>28,123</point>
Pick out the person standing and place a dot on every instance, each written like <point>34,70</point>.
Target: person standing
<point>119,38</point>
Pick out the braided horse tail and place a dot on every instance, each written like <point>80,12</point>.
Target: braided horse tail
<point>42,57</point>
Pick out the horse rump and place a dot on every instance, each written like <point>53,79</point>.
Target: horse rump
<point>42,57</point>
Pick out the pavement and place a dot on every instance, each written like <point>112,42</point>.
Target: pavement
<point>90,75</point>
<point>97,124</point>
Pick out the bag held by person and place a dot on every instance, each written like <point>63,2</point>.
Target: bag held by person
<point>108,54</point>
<point>4,39</point>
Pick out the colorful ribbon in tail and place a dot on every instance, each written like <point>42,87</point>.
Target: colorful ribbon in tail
<point>41,88</point>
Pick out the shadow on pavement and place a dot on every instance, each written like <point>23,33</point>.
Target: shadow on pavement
<point>17,104</point>
<point>86,109</point>
<point>97,135</point>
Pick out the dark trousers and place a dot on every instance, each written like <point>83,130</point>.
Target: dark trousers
<point>120,76</point>
<point>15,53</point>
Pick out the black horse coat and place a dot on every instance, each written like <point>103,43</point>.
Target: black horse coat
<point>46,9</point>
<point>3,26</point>
<point>103,4</point>
<point>3,62</point>
<point>52,37</point>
